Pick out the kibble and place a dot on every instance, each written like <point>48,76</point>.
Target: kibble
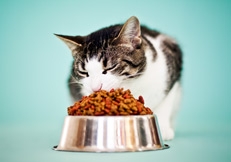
<point>113,103</point>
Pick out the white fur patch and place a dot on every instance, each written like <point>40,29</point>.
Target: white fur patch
<point>97,80</point>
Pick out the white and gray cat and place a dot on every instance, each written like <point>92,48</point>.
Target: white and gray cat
<point>134,57</point>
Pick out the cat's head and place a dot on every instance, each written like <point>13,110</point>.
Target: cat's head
<point>108,57</point>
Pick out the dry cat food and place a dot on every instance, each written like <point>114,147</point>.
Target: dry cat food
<point>115,102</point>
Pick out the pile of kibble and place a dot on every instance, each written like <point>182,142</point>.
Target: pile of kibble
<point>112,103</point>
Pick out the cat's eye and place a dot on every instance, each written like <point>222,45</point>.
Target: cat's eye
<point>108,69</point>
<point>125,73</point>
<point>83,73</point>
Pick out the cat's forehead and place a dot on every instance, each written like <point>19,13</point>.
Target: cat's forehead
<point>93,65</point>
<point>105,33</point>
<point>101,38</point>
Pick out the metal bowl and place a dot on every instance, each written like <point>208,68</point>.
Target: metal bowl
<point>110,134</point>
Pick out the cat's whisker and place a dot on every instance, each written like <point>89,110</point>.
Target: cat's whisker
<point>75,80</point>
<point>109,85</point>
<point>75,83</point>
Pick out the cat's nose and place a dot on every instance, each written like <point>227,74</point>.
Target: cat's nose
<point>96,84</point>
<point>97,87</point>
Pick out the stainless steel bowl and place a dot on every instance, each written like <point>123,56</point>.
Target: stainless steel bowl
<point>111,134</point>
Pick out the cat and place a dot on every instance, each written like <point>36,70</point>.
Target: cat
<point>129,56</point>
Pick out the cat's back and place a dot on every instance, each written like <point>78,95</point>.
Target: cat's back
<point>150,32</point>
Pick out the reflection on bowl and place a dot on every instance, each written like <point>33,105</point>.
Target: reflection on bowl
<point>111,134</point>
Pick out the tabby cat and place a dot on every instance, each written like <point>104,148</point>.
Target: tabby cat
<point>134,57</point>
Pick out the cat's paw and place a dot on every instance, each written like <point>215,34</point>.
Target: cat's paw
<point>167,133</point>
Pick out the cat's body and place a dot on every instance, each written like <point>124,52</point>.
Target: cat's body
<point>133,57</point>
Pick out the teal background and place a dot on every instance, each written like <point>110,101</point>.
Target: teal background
<point>34,66</point>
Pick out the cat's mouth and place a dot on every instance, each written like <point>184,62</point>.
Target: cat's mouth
<point>97,88</point>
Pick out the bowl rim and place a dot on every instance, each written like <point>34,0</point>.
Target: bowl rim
<point>110,116</point>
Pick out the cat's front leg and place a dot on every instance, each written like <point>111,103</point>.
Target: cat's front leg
<point>167,131</point>
<point>166,112</point>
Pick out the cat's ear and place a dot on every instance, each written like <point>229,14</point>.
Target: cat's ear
<point>130,34</point>
<point>73,42</point>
